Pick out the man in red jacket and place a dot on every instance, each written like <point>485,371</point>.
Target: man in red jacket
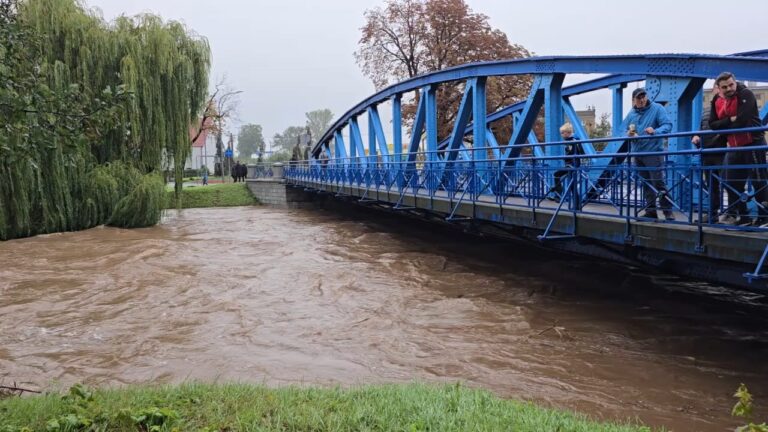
<point>735,107</point>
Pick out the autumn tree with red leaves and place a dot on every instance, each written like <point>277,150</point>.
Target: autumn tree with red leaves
<point>407,38</point>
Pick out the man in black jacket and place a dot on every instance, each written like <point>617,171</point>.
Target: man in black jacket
<point>711,164</point>
<point>735,107</point>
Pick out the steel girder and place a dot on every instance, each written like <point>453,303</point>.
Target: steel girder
<point>673,80</point>
<point>747,66</point>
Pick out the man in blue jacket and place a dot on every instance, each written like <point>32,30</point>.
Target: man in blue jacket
<point>647,119</point>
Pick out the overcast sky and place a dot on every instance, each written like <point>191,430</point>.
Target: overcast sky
<point>290,56</point>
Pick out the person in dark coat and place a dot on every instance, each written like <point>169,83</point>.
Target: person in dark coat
<point>243,172</point>
<point>711,165</point>
<point>296,152</point>
<point>566,132</point>
<point>736,107</point>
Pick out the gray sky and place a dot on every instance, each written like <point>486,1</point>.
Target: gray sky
<point>291,56</point>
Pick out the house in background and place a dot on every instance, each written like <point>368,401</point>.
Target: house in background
<point>203,148</point>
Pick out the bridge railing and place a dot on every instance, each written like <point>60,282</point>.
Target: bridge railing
<point>603,184</point>
<point>261,170</point>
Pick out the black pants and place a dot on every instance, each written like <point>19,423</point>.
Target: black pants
<point>652,170</point>
<point>741,166</point>
<point>712,177</point>
<point>560,176</point>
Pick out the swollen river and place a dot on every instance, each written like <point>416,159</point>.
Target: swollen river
<point>352,297</point>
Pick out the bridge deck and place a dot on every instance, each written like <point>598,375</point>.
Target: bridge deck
<point>600,222</point>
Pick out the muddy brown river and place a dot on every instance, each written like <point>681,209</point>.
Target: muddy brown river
<point>351,297</point>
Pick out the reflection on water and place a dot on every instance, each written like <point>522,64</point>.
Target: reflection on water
<point>264,295</point>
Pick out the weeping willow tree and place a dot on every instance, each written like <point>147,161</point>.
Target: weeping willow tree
<point>94,110</point>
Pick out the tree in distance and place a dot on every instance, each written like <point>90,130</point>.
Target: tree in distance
<point>601,130</point>
<point>318,122</point>
<point>287,139</point>
<point>407,38</point>
<point>250,140</point>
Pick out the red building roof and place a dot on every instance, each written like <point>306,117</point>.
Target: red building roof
<point>200,141</point>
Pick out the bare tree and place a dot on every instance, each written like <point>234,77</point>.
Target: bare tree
<point>392,44</point>
<point>220,108</point>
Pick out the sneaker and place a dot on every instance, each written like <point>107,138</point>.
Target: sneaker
<point>668,215</point>
<point>650,214</point>
<point>743,221</point>
<point>727,219</point>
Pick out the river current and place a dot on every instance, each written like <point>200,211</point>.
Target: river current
<point>353,296</point>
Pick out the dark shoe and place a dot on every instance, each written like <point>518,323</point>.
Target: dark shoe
<point>650,214</point>
<point>743,221</point>
<point>668,215</point>
<point>760,221</point>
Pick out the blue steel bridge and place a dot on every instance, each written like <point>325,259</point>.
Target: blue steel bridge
<point>505,188</point>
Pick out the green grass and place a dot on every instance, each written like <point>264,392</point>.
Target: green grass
<point>242,407</point>
<point>213,195</point>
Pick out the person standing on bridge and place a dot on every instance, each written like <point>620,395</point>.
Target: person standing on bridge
<point>736,107</point>
<point>647,119</point>
<point>296,152</point>
<point>711,164</point>
<point>571,164</point>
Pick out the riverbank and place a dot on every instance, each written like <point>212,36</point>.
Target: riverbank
<point>213,195</point>
<point>207,407</point>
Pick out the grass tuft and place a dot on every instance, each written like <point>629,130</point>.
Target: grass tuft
<point>214,195</point>
<point>236,407</point>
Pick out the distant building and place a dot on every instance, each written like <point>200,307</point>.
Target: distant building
<point>588,118</point>
<point>203,148</point>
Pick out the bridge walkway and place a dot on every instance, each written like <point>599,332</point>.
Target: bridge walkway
<point>600,222</point>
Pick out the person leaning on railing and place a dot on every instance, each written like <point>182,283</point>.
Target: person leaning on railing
<point>648,118</point>
<point>711,164</point>
<point>571,149</point>
<point>736,107</point>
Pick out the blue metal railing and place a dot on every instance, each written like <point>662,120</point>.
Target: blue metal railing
<point>529,182</point>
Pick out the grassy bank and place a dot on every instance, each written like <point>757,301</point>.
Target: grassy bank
<point>241,407</point>
<point>214,195</point>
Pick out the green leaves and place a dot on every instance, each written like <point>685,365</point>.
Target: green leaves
<point>80,392</point>
<point>743,409</point>
<point>68,423</point>
<point>151,419</point>
<point>86,413</point>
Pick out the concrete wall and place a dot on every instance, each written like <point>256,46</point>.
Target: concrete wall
<point>275,193</point>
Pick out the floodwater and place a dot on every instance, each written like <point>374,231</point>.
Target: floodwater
<point>350,297</point>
